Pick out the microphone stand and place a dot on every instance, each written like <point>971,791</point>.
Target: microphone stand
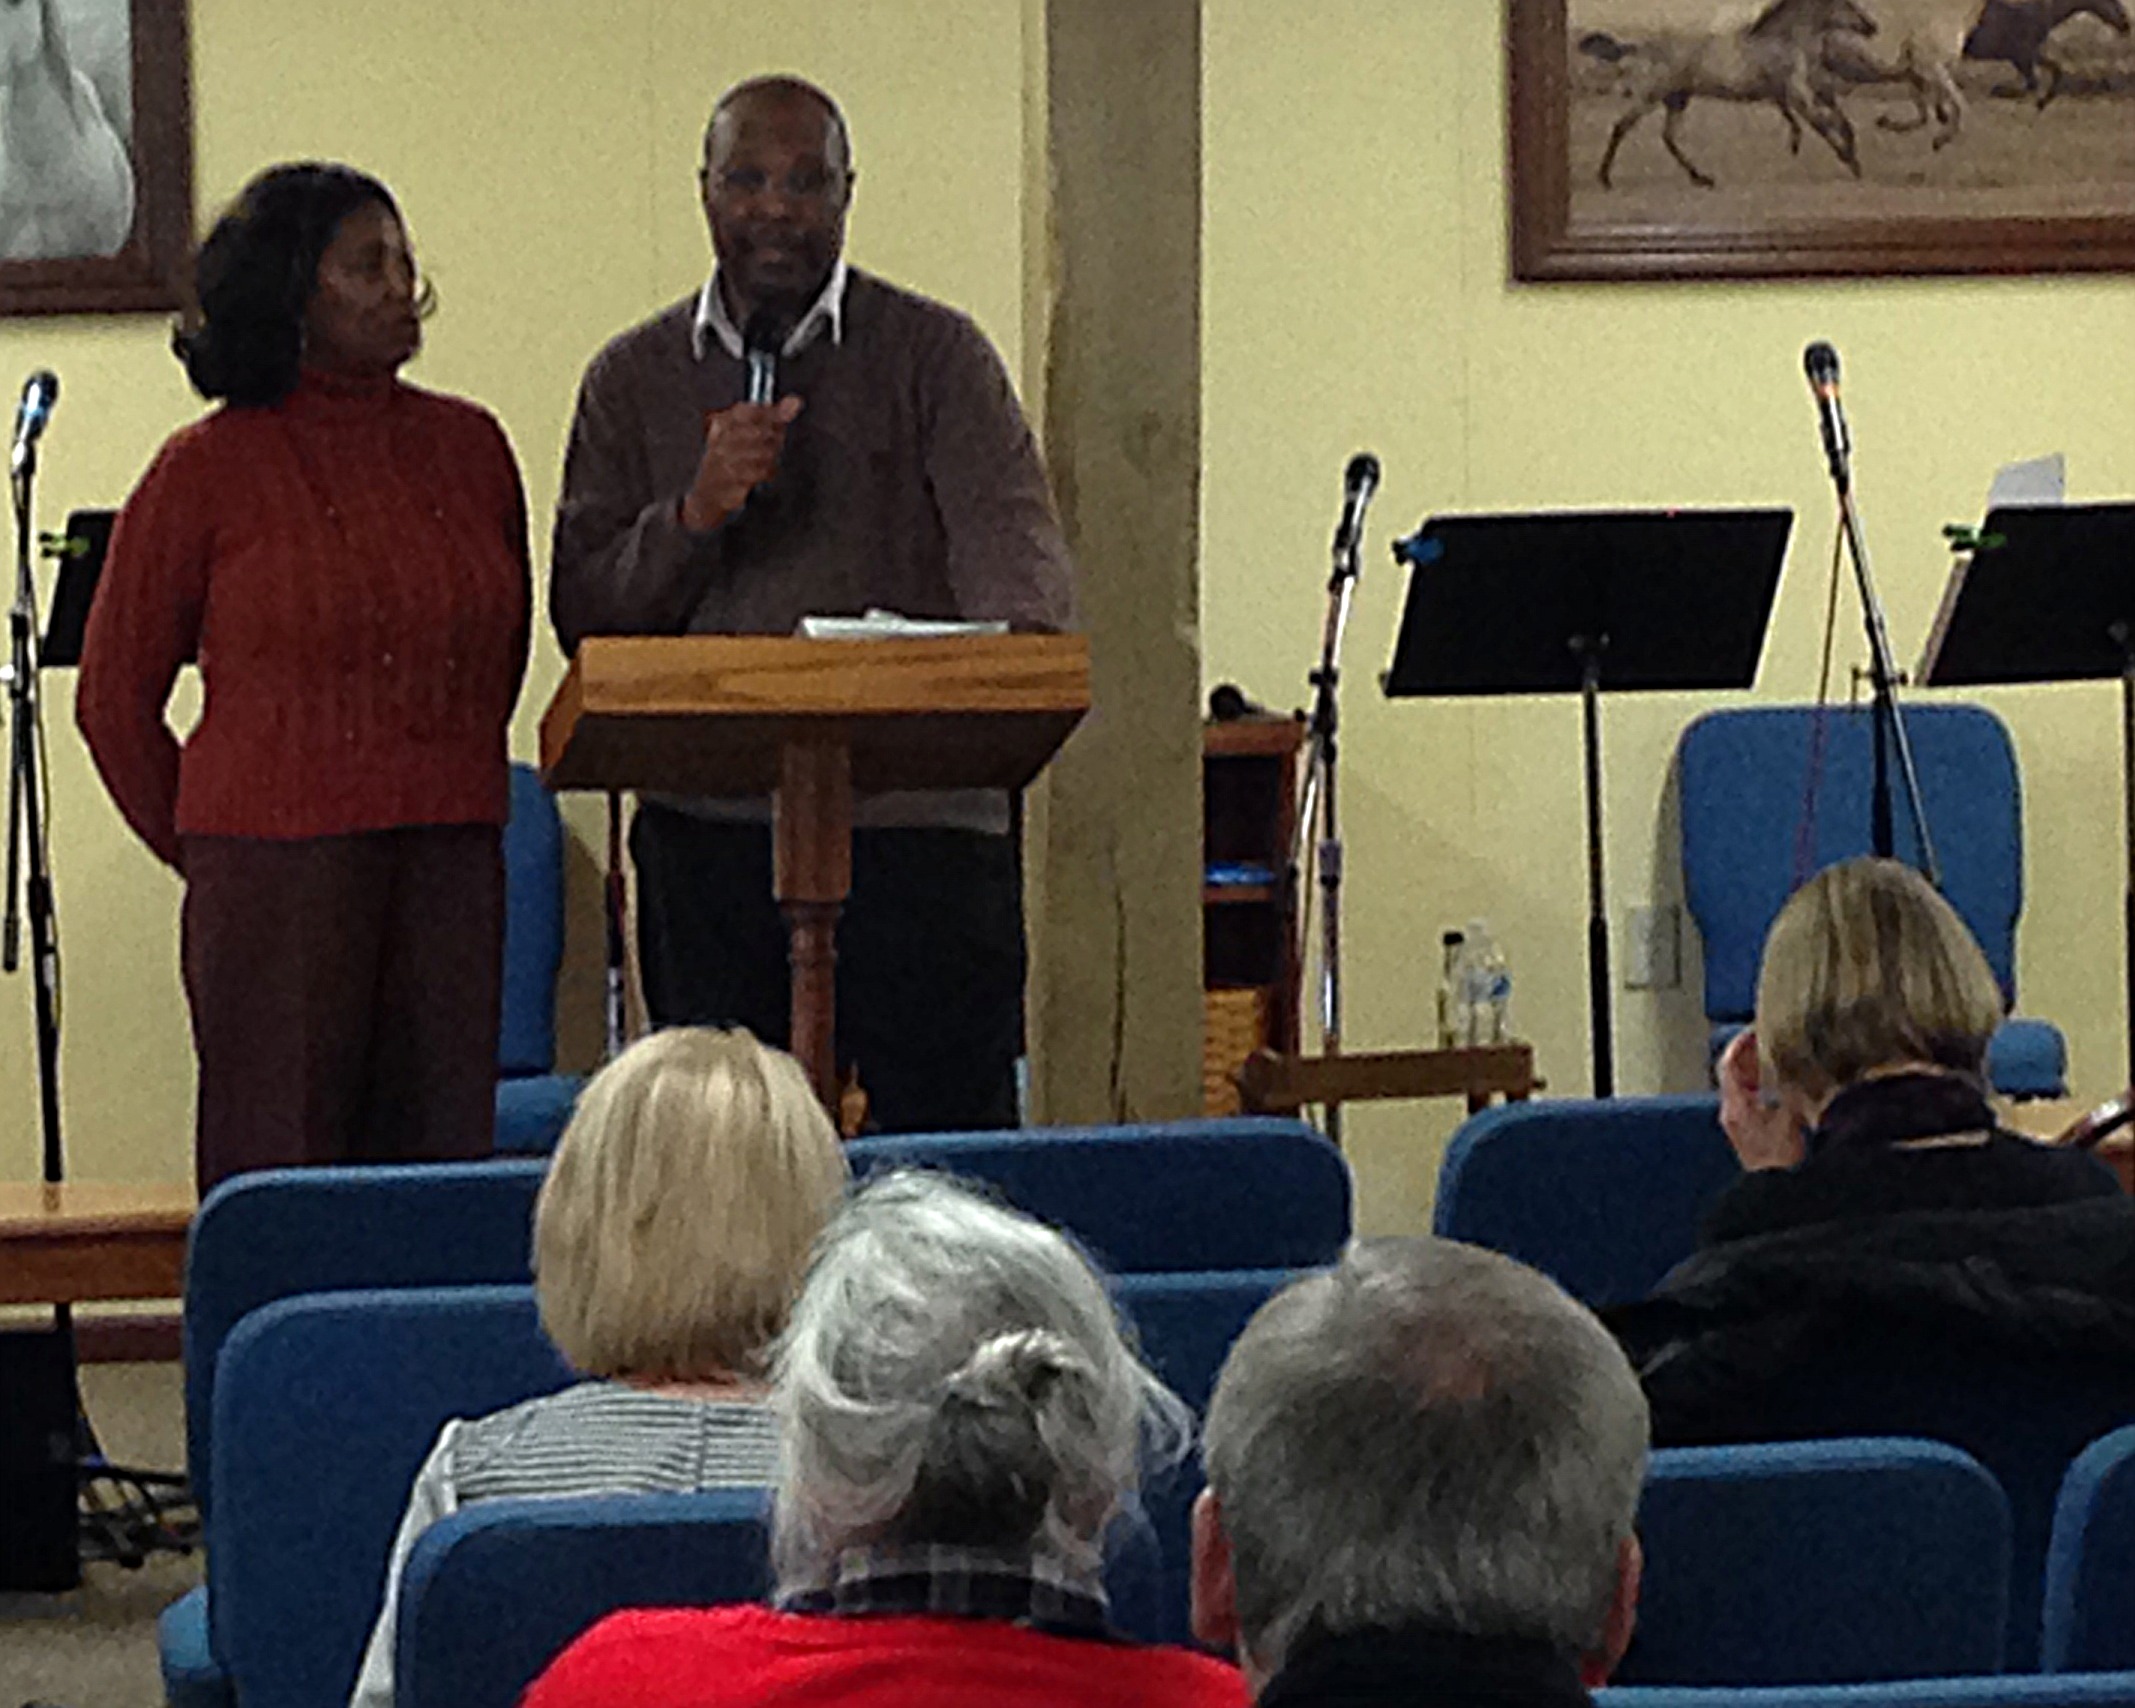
<point>26,845</point>
<point>1320,797</point>
<point>27,840</point>
<point>1888,720</point>
<point>146,1511</point>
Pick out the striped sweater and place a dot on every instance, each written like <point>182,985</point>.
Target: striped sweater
<point>595,1438</point>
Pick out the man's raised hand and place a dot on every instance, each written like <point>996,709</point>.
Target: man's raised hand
<point>742,445</point>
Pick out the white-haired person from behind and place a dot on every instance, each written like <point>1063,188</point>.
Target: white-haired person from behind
<point>1423,1474</point>
<point>960,1418</point>
<point>670,1238</point>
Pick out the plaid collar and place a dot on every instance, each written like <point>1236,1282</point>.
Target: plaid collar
<point>967,1583</point>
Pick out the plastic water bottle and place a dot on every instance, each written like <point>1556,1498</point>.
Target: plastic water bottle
<point>1487,988</point>
<point>1452,996</point>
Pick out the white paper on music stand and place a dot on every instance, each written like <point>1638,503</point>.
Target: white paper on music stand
<point>2033,483</point>
<point>2041,480</point>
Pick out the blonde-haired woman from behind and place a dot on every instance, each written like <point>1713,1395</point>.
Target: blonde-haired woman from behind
<point>670,1239</point>
<point>1885,1222</point>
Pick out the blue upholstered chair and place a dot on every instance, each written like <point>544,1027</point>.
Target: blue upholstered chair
<point>1246,1193</point>
<point>1819,1562</point>
<point>324,1408</point>
<point>2024,1412</point>
<point>2089,1619</point>
<point>532,1112</point>
<point>1999,1690</point>
<point>533,1100</point>
<point>281,1232</point>
<point>1604,1197</point>
<point>1745,777</point>
<point>1185,1323</point>
<point>533,927</point>
<point>495,1592</point>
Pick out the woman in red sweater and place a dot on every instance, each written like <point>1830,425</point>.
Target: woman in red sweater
<point>345,555</point>
<point>960,1419</point>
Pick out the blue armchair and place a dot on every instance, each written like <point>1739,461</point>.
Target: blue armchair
<point>533,1100</point>
<point>1745,777</point>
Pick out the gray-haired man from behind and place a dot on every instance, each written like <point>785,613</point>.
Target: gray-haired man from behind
<point>1424,1468</point>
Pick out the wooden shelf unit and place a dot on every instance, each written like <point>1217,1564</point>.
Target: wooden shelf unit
<point>1249,966</point>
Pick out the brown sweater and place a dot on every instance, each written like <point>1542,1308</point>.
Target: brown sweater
<point>910,482</point>
<point>350,568</point>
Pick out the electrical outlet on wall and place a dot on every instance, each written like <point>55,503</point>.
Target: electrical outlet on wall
<point>1653,947</point>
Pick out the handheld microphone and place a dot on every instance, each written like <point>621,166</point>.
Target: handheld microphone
<point>1359,481</point>
<point>1820,363</point>
<point>40,394</point>
<point>761,341</point>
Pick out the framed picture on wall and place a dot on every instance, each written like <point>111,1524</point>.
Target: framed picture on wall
<point>96,155</point>
<point>1675,139</point>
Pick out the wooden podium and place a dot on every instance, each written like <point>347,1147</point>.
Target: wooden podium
<point>808,723</point>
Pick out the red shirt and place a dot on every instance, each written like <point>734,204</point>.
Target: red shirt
<point>728,1657</point>
<point>350,568</point>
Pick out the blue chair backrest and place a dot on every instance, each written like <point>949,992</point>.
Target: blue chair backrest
<point>1744,781</point>
<point>532,1112</point>
<point>282,1232</point>
<point>496,1591</point>
<point>325,1407</point>
<point>1819,1562</point>
<point>2024,1413</point>
<point>533,926</point>
<point>1186,1324</point>
<point>1246,1193</point>
<point>2001,1690</point>
<point>1604,1197</point>
<point>2089,1621</point>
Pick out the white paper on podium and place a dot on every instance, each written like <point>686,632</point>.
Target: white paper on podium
<point>889,625</point>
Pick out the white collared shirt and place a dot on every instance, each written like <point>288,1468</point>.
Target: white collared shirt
<point>825,314</point>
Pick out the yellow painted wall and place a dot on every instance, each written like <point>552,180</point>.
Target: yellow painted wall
<point>544,153</point>
<point>1356,294</point>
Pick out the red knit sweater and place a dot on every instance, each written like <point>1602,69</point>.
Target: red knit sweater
<point>742,1657</point>
<point>350,568</point>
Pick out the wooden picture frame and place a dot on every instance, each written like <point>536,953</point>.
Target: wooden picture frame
<point>1912,207</point>
<point>146,272</point>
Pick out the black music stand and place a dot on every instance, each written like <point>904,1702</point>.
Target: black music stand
<point>2049,596</point>
<point>80,554</point>
<point>1629,601</point>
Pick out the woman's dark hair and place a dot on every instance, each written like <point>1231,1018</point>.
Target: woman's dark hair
<point>254,276</point>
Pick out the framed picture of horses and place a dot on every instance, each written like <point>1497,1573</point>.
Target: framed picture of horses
<point>1673,139</point>
<point>96,155</point>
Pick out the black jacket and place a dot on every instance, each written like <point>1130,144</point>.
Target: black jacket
<point>1425,1668</point>
<point>1871,1255</point>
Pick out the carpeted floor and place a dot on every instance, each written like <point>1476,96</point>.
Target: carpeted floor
<point>96,1647</point>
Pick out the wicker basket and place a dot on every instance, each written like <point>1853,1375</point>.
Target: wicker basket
<point>1236,1024</point>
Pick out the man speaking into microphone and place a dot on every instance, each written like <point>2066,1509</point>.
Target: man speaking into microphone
<point>800,438</point>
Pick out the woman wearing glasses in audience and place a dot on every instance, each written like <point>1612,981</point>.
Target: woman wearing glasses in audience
<point>960,1419</point>
<point>345,555</point>
<point>669,1241</point>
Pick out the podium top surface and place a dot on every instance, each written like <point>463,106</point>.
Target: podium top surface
<point>710,714</point>
<point>1670,599</point>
